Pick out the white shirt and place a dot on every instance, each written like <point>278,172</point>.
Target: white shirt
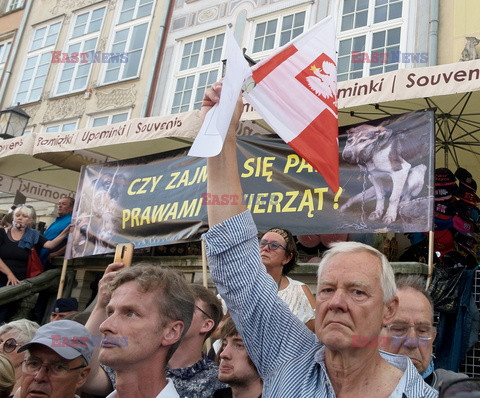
<point>297,301</point>
<point>294,296</point>
<point>168,392</point>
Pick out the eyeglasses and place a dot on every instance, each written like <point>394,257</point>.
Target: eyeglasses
<point>422,331</point>
<point>271,245</point>
<point>468,388</point>
<point>32,366</point>
<point>9,345</point>
<point>203,312</point>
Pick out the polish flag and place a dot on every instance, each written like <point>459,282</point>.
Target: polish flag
<point>295,91</point>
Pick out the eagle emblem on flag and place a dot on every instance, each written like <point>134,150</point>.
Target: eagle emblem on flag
<point>320,77</point>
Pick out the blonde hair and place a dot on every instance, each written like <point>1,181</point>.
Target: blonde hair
<point>27,210</point>
<point>24,330</point>
<point>7,376</point>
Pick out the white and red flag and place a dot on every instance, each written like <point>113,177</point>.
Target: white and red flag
<point>295,91</point>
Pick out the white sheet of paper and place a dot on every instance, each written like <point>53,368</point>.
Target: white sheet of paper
<point>210,138</point>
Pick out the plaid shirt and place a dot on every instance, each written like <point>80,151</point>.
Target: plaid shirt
<point>197,381</point>
<point>288,356</point>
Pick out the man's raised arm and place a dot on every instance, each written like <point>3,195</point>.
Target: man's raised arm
<point>98,381</point>
<point>223,177</point>
<point>272,334</point>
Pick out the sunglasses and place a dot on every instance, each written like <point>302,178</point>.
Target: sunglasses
<point>10,345</point>
<point>271,245</point>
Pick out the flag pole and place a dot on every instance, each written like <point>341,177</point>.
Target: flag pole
<point>62,278</point>
<point>208,342</point>
<point>430,258</point>
<point>204,265</point>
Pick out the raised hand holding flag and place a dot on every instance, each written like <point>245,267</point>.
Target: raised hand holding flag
<point>295,92</point>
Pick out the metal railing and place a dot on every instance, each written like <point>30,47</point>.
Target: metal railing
<point>24,295</point>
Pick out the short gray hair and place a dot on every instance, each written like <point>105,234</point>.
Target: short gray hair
<point>414,282</point>
<point>24,330</point>
<point>176,303</point>
<point>387,277</point>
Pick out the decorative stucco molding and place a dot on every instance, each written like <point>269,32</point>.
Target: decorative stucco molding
<point>117,97</point>
<point>64,108</point>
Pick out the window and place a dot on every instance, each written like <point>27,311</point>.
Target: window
<point>37,64</point>
<point>369,37</point>
<point>385,42</point>
<point>57,128</point>
<point>200,67</point>
<point>346,69</point>
<point>276,32</point>
<point>4,50</point>
<point>109,119</point>
<point>14,4</point>
<point>128,40</point>
<point>355,14</point>
<point>81,49</point>
<point>387,10</point>
<point>132,9</point>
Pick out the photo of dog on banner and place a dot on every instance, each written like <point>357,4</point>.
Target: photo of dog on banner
<point>97,216</point>
<point>392,158</point>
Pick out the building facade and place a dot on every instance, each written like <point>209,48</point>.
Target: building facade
<point>11,13</point>
<point>372,37</point>
<point>72,64</point>
<point>84,63</point>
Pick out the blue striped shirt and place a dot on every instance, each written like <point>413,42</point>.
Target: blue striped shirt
<point>288,356</point>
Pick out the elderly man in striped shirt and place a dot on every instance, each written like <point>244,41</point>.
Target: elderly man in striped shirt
<point>356,296</point>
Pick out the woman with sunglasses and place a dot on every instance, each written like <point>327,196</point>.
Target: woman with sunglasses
<point>279,255</point>
<point>12,336</point>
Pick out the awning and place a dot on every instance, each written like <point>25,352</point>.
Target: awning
<point>54,159</point>
<point>46,165</point>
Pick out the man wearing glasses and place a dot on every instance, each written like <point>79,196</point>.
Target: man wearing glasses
<point>193,374</point>
<point>56,360</point>
<point>412,332</point>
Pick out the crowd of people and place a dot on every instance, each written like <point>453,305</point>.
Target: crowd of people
<point>364,334</point>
